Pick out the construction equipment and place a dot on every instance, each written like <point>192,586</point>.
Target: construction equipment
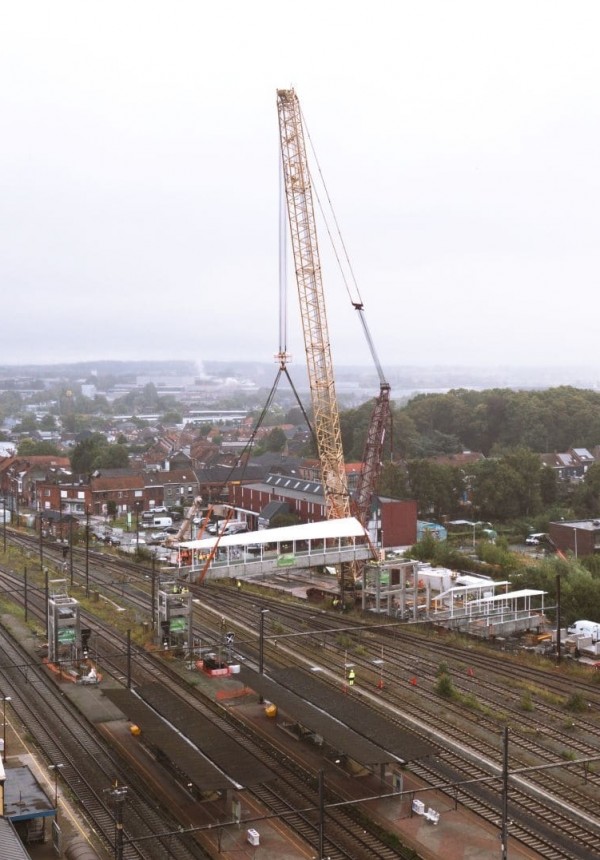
<point>380,420</point>
<point>312,305</point>
<point>296,176</point>
<point>186,525</point>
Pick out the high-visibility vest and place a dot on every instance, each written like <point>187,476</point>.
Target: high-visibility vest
<point>351,677</point>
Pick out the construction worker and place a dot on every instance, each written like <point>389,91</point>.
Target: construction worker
<point>351,677</point>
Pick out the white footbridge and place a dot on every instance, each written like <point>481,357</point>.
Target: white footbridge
<point>249,554</point>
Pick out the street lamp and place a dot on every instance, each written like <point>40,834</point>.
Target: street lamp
<point>5,699</point>
<point>55,768</point>
<point>261,646</point>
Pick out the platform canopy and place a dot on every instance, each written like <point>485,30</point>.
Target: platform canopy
<point>347,527</point>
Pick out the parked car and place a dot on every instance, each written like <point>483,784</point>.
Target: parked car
<point>535,539</point>
<point>159,537</point>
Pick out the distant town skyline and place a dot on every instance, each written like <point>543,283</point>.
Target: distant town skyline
<point>139,166</point>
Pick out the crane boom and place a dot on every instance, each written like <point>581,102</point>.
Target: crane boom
<point>374,442</point>
<point>312,305</point>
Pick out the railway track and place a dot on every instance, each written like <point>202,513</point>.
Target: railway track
<point>542,828</point>
<point>90,767</point>
<point>346,838</point>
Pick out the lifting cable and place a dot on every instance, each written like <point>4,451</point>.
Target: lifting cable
<point>355,297</point>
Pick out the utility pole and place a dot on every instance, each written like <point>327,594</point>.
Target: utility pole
<point>558,618</point>
<point>71,549</point>
<point>129,659</point>
<point>118,795</point>
<point>321,814</point>
<point>153,608</point>
<point>261,647</point>
<point>504,834</point>
<point>41,541</point>
<point>47,595</point>
<point>87,551</point>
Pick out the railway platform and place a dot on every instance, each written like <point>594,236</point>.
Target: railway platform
<point>458,835</point>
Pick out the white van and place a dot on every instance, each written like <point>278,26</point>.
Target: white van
<point>161,522</point>
<point>585,628</point>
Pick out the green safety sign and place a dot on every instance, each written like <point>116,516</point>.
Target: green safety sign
<point>66,635</point>
<point>177,624</point>
<point>286,560</point>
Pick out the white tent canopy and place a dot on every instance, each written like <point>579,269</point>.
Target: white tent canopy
<point>348,527</point>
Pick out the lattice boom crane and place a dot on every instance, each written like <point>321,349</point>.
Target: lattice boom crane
<point>312,305</point>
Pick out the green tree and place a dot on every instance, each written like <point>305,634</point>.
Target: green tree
<point>85,454</point>
<point>31,447</point>
<point>112,457</point>
<point>548,487</point>
<point>27,423</point>
<point>276,440</point>
<point>393,481</point>
<point>172,417</point>
<point>586,499</point>
<point>48,422</point>
<point>496,490</point>
<point>281,520</point>
<point>436,487</point>
<point>528,467</point>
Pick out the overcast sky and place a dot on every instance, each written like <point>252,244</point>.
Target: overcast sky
<point>139,160</point>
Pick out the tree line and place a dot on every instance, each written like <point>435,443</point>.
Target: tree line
<point>510,428</point>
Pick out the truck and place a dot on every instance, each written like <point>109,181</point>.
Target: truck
<point>585,628</point>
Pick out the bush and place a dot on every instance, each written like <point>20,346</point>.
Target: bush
<point>527,702</point>
<point>445,687</point>
<point>576,703</point>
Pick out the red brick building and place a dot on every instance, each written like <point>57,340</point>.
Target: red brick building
<point>395,521</point>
